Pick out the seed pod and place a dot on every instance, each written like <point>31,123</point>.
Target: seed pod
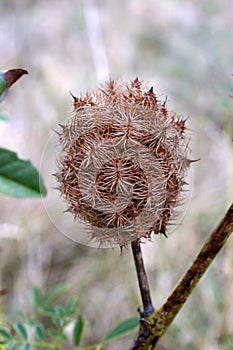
<point>122,162</point>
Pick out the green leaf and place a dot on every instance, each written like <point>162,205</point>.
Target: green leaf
<point>66,322</point>
<point>54,293</point>
<point>57,322</point>
<point>63,337</point>
<point>70,308</point>
<point>39,332</point>
<point>53,333</point>
<point>78,331</point>
<point>4,336</point>
<point>4,118</point>
<point>35,297</point>
<point>59,310</point>
<point>19,178</point>
<point>49,311</point>
<point>123,328</point>
<point>10,345</point>
<point>21,330</point>
<point>56,312</point>
<point>25,346</point>
<point>3,86</point>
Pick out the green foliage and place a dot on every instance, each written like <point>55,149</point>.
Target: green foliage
<point>35,297</point>
<point>121,329</point>
<point>39,332</point>
<point>18,177</point>
<point>78,331</point>
<point>30,332</point>
<point>4,336</point>
<point>21,330</point>
<point>3,117</point>
<point>3,84</point>
<point>54,293</point>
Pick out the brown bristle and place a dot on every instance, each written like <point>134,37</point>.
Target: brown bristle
<point>123,162</point>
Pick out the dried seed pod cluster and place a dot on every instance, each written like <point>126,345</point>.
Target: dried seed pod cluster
<point>122,162</point>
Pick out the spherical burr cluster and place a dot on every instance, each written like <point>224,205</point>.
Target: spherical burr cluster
<point>122,162</point>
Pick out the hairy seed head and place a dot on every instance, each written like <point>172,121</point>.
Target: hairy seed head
<point>122,162</point>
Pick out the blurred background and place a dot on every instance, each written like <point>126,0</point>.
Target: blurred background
<point>185,50</point>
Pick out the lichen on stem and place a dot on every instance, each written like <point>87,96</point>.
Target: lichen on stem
<point>152,327</point>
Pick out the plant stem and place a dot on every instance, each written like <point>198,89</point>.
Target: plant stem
<point>39,345</point>
<point>142,279</point>
<point>154,326</point>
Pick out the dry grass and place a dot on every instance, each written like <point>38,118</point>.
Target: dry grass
<point>184,49</point>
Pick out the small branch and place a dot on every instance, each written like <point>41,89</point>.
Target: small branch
<point>142,278</point>
<point>155,325</point>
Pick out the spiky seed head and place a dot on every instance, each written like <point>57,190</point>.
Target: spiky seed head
<point>122,162</point>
